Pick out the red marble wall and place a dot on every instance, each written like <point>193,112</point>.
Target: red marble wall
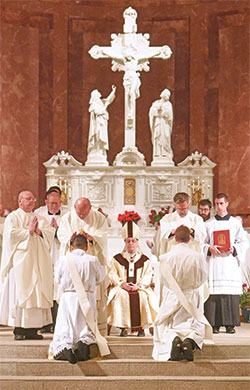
<point>47,76</point>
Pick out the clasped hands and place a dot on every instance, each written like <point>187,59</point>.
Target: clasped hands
<point>130,286</point>
<point>33,226</point>
<point>53,223</point>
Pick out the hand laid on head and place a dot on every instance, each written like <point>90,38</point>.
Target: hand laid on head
<point>150,244</point>
<point>89,237</point>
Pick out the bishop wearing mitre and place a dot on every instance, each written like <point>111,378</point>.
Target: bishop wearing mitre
<point>132,303</point>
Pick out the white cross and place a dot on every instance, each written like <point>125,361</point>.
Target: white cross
<point>130,53</point>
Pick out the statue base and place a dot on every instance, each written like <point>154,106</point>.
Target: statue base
<point>128,157</point>
<point>96,160</point>
<point>161,161</point>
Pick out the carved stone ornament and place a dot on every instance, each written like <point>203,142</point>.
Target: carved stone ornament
<point>63,159</point>
<point>196,159</point>
<point>129,157</point>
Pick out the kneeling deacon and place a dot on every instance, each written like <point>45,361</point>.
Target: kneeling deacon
<point>180,324</point>
<point>76,329</point>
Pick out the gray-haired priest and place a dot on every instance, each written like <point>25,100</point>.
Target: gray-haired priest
<point>131,302</point>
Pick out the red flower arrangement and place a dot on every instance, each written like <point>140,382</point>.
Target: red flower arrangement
<point>129,216</point>
<point>155,216</point>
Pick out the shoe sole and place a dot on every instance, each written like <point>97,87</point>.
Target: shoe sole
<point>187,351</point>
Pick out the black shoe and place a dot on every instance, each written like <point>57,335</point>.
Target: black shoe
<point>176,349</point>
<point>230,329</point>
<point>47,329</point>
<point>124,332</point>
<point>141,333</point>
<point>66,354</point>
<point>19,337</point>
<point>187,350</point>
<point>33,336</point>
<point>70,356</point>
<point>81,351</point>
<point>216,329</point>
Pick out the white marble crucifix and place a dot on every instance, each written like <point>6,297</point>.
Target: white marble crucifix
<point>130,52</point>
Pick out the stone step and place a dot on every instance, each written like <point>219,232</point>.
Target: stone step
<point>124,367</point>
<point>39,349</point>
<point>124,383</point>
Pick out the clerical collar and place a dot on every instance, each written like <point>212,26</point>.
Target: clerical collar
<point>225,218</point>
<point>58,213</point>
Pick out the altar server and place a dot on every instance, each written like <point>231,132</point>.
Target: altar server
<point>26,270</point>
<point>225,283</point>
<point>131,302</point>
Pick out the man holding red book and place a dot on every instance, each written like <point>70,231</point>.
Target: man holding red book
<point>226,244</point>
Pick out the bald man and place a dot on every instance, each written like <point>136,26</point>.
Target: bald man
<point>26,270</point>
<point>83,217</point>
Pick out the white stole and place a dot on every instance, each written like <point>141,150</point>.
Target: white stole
<point>189,307</point>
<point>86,308</point>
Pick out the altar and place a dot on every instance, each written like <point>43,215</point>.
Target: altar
<point>129,184</point>
<point>115,189</point>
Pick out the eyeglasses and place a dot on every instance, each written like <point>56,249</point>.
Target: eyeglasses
<point>29,199</point>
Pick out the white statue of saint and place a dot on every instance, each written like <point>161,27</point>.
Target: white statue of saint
<point>98,143</point>
<point>161,123</point>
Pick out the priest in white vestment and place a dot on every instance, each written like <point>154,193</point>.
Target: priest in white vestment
<point>73,336</point>
<point>180,325</point>
<point>170,222</point>
<point>53,212</point>
<point>83,217</point>
<point>2,220</point>
<point>182,216</point>
<point>26,270</point>
<point>225,278</point>
<point>132,303</point>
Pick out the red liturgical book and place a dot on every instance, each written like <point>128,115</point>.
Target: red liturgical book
<point>222,238</point>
